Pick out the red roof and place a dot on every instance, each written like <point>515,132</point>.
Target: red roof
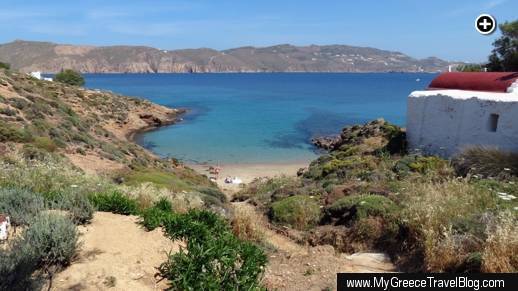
<point>476,81</point>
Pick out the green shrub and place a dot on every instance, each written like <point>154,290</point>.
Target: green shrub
<point>421,165</point>
<point>215,259</point>
<point>21,205</point>
<point>45,143</point>
<point>298,211</point>
<point>8,111</point>
<point>5,66</point>
<point>12,133</point>
<point>222,264</point>
<point>115,202</point>
<point>54,239</point>
<point>30,152</point>
<point>70,77</point>
<point>363,206</point>
<point>155,216</point>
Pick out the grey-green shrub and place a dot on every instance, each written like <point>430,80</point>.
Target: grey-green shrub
<point>53,238</point>
<point>21,205</point>
<point>17,266</point>
<point>79,207</point>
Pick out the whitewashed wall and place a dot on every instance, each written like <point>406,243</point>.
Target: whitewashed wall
<point>442,122</point>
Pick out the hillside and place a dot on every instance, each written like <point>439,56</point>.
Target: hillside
<point>50,57</point>
<point>91,128</point>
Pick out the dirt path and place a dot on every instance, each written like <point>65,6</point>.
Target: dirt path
<point>116,254</point>
<point>296,267</point>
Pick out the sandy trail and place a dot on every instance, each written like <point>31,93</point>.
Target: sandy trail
<point>116,252</point>
<point>297,267</point>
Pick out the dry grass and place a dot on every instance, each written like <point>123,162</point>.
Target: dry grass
<point>488,162</point>
<point>501,249</point>
<point>245,225</point>
<point>446,215</point>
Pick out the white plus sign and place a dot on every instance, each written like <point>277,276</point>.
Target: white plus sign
<point>485,23</point>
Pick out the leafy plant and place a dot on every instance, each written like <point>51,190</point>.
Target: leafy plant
<point>115,202</point>
<point>215,259</point>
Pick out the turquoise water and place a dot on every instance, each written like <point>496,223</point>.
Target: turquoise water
<point>261,118</point>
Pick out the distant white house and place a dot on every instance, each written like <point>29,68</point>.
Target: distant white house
<point>459,110</point>
<point>38,76</point>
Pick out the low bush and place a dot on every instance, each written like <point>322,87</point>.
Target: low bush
<point>261,191</point>
<point>21,205</point>
<point>70,77</point>
<point>5,66</point>
<point>225,263</point>
<point>155,216</point>
<point>363,206</point>
<point>18,264</point>
<point>78,206</point>
<point>48,244</point>
<point>487,162</point>
<point>429,165</point>
<point>298,211</point>
<point>115,202</point>
<point>215,259</point>
<point>213,192</point>
<point>45,143</point>
<point>14,134</point>
<point>54,240</point>
<point>8,111</point>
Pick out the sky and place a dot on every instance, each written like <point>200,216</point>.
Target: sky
<point>418,28</point>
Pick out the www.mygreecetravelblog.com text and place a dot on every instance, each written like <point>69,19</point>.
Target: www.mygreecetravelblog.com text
<point>436,281</point>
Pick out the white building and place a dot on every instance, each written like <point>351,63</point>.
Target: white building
<point>459,110</point>
<point>38,76</point>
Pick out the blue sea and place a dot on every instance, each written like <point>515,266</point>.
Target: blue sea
<point>261,118</point>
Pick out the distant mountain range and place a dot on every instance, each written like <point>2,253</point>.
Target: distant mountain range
<point>50,57</point>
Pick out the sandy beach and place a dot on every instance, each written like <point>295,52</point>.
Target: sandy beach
<point>248,172</point>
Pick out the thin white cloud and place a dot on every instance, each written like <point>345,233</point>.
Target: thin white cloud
<point>473,8</point>
<point>146,30</point>
<point>494,3</point>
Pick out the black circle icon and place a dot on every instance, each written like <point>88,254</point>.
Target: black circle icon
<point>485,24</point>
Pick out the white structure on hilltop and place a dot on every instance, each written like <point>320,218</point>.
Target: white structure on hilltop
<point>38,76</point>
<point>460,110</point>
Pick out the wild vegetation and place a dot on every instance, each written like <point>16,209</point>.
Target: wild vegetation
<point>429,214</point>
<point>43,124</point>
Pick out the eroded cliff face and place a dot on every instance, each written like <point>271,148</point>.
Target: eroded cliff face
<point>48,57</point>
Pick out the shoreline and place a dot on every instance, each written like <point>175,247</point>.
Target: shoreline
<point>172,118</point>
<point>247,172</point>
